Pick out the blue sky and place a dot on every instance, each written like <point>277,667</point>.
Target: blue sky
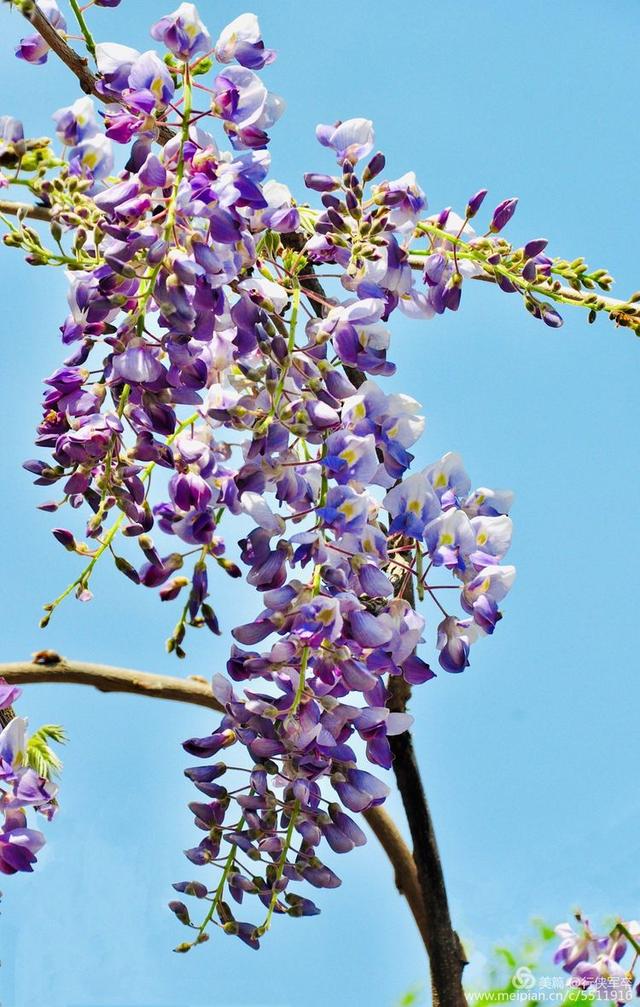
<point>529,757</point>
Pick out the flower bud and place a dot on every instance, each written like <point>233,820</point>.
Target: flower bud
<point>374,167</point>
<point>502,214</point>
<point>475,203</point>
<point>65,538</point>
<point>181,911</point>
<point>534,247</point>
<point>320,183</point>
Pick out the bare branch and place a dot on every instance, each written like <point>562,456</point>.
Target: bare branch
<point>49,668</point>
<point>29,210</point>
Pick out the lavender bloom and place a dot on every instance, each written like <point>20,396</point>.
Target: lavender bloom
<point>412,505</point>
<point>346,511</point>
<point>488,502</point>
<point>18,844</point>
<point>8,694</point>
<point>241,98</point>
<point>493,539</point>
<point>241,40</point>
<point>449,479</point>
<point>350,458</point>
<point>11,139</point>
<point>34,49</point>
<point>403,197</point>
<point>351,140</point>
<point>77,122</point>
<point>182,32</point>
<point>114,64</point>
<point>493,581</point>
<point>359,790</point>
<point>454,641</point>
<point>279,214</point>
<point>92,157</point>
<point>150,83</point>
<point>450,540</point>
<point>577,948</point>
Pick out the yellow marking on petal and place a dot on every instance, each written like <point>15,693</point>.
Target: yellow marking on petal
<point>414,506</point>
<point>482,538</point>
<point>441,480</point>
<point>349,456</point>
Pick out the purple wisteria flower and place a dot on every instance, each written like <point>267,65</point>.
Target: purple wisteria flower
<point>242,40</point>
<point>77,122</point>
<point>182,32</point>
<point>351,140</point>
<point>34,49</point>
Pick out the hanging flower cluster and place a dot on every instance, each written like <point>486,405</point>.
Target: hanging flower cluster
<point>599,963</point>
<point>21,786</point>
<point>202,344</point>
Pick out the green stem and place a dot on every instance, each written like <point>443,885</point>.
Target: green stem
<point>83,578</point>
<point>280,869</point>
<point>172,206</point>
<point>293,321</point>
<point>315,591</point>
<point>587,299</point>
<point>84,27</point>
<point>621,928</point>
<point>223,880</point>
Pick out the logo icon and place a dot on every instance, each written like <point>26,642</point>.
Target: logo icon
<point>524,978</point>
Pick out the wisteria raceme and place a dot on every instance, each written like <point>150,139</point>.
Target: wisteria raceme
<point>188,351</point>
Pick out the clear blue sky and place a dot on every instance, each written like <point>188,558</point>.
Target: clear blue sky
<point>530,757</point>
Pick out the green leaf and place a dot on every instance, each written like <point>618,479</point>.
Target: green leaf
<point>39,756</point>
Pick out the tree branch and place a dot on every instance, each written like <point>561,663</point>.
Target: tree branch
<point>445,950</point>
<point>33,212</point>
<point>49,668</point>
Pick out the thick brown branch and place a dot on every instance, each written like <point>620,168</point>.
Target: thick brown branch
<point>443,944</point>
<point>49,668</point>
